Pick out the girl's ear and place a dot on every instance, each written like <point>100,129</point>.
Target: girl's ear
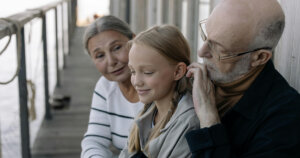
<point>180,71</point>
<point>261,57</point>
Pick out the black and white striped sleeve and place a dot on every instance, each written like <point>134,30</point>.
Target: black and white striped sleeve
<point>97,139</point>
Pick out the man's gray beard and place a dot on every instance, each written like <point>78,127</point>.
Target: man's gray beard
<point>242,67</point>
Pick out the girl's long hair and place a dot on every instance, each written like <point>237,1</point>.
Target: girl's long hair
<point>169,42</point>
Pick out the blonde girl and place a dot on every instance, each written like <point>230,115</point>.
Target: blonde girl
<point>158,59</point>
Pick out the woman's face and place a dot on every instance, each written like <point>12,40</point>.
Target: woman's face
<point>152,74</point>
<point>110,55</point>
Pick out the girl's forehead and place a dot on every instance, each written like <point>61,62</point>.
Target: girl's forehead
<point>145,56</point>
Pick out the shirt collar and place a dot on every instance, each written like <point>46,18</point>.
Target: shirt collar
<point>249,104</point>
<point>145,121</point>
<point>184,105</point>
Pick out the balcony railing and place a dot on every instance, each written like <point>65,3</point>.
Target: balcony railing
<point>15,25</point>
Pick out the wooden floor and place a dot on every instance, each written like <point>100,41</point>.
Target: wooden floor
<point>61,136</point>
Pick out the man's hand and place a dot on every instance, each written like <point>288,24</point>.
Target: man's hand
<point>203,95</point>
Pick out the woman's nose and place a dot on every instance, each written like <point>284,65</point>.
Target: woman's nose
<point>112,60</point>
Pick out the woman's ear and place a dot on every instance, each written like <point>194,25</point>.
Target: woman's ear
<point>180,71</point>
<point>261,57</point>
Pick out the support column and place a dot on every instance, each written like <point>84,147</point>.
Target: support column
<point>128,3</point>
<point>152,13</point>
<point>0,140</point>
<point>162,11</point>
<point>48,115</point>
<point>122,9</point>
<point>23,100</point>
<point>175,13</point>
<point>192,26</point>
<point>113,7</point>
<point>138,18</point>
<point>118,8</point>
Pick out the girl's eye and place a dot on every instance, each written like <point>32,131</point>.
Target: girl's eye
<point>148,73</point>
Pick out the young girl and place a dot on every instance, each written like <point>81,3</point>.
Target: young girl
<point>158,61</point>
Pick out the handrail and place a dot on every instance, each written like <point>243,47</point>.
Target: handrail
<point>8,28</point>
<point>26,16</point>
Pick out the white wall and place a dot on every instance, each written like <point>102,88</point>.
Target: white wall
<point>287,58</point>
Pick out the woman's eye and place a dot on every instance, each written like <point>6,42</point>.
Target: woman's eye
<point>117,47</point>
<point>99,56</point>
<point>132,72</point>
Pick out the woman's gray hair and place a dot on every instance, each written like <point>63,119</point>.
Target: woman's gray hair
<point>103,24</point>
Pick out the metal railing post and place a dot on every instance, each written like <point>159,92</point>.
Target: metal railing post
<point>63,35</point>
<point>24,123</point>
<point>128,11</point>
<point>48,115</point>
<point>69,25</point>
<point>56,49</point>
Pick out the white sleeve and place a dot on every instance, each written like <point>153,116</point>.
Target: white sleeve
<point>97,139</point>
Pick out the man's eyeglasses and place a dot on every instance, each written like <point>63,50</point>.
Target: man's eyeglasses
<point>215,53</point>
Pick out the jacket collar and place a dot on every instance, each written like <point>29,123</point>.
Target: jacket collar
<point>248,106</point>
<point>145,121</point>
<point>184,105</point>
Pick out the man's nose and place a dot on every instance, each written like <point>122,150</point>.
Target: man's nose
<point>205,51</point>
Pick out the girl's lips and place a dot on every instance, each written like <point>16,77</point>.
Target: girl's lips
<point>143,92</point>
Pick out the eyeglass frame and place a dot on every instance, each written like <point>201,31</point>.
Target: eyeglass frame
<point>204,38</point>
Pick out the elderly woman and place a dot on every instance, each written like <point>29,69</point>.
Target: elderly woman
<point>115,102</point>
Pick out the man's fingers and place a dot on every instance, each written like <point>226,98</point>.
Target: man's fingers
<point>194,65</point>
<point>190,73</point>
<point>196,72</point>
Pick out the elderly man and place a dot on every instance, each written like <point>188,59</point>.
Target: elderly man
<point>245,107</point>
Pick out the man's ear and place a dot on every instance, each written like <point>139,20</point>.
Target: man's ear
<point>180,71</point>
<point>260,57</point>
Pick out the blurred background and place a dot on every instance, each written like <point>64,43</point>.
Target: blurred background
<point>32,122</point>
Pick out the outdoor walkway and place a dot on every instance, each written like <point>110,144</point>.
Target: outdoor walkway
<point>61,136</point>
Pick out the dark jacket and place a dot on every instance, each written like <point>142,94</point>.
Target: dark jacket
<point>265,123</point>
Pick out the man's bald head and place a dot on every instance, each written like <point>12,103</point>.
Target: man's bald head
<point>241,24</point>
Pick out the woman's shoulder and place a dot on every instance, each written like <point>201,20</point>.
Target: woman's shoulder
<point>104,85</point>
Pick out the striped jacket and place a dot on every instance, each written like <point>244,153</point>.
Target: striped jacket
<point>110,119</point>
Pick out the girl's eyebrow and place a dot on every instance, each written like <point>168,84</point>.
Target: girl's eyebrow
<point>142,66</point>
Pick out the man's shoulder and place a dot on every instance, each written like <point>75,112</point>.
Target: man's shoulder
<point>273,91</point>
<point>282,95</point>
